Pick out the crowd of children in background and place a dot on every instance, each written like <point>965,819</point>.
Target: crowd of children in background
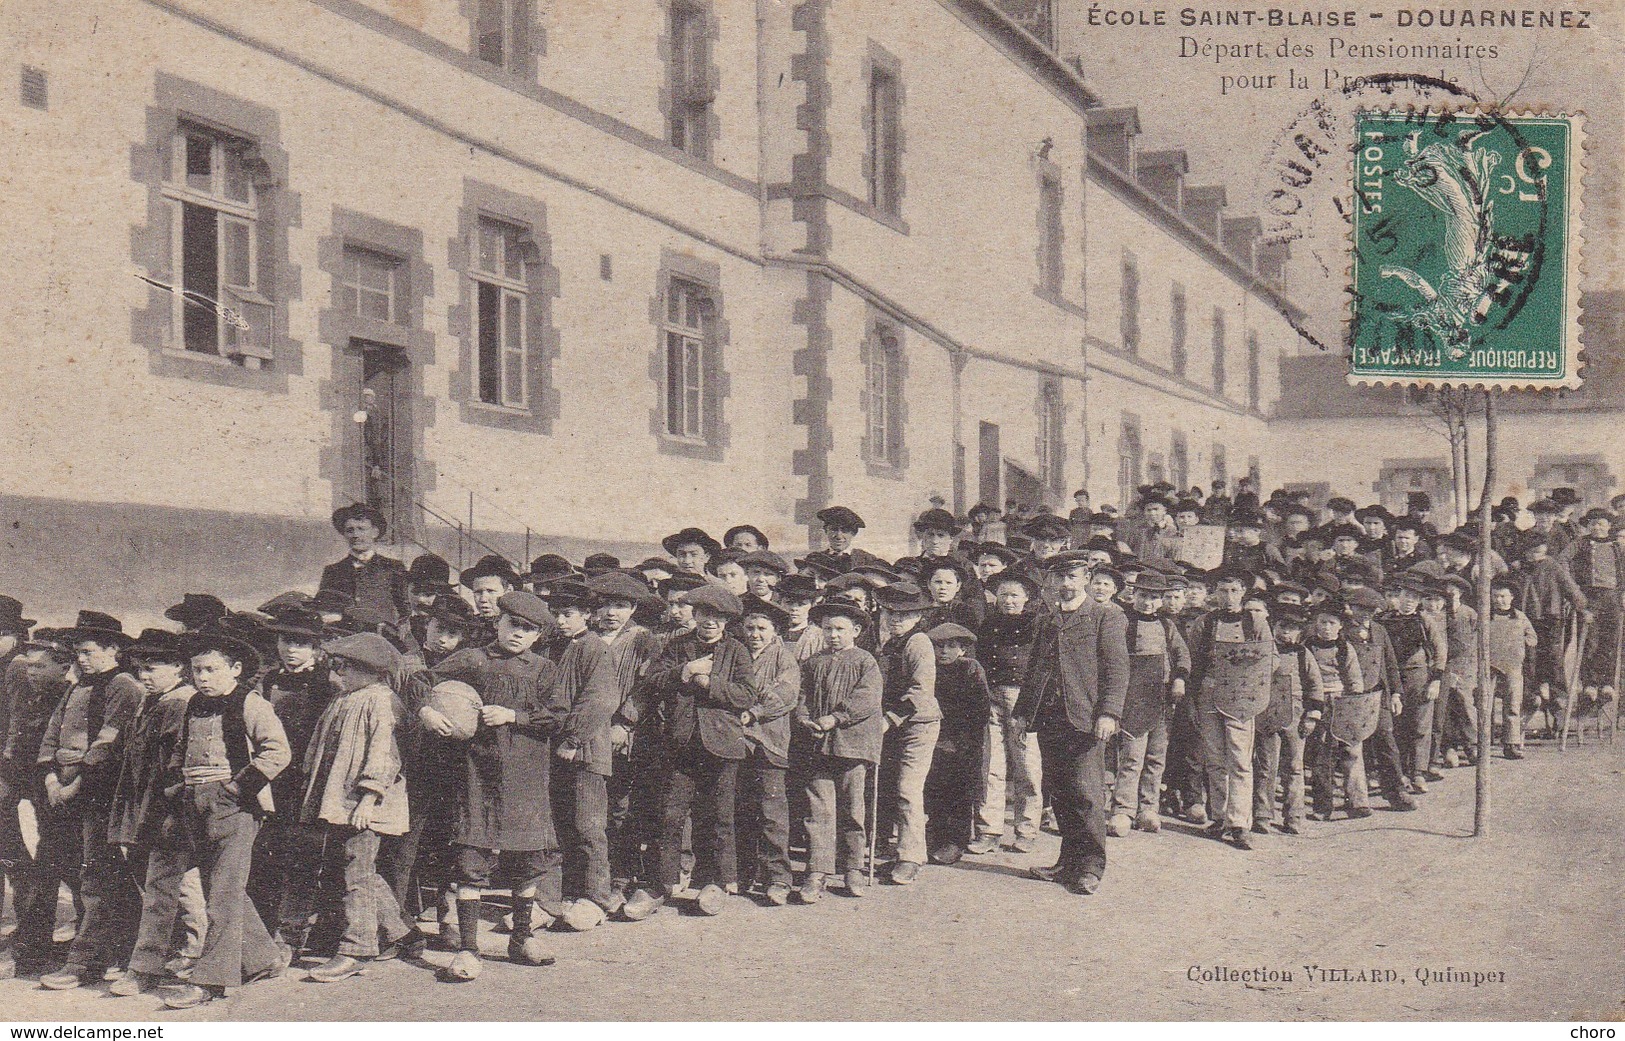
<point>335,777</point>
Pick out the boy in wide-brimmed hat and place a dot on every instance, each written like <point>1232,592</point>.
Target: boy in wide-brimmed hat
<point>231,747</point>
<point>355,793</point>
<point>837,736</point>
<point>841,526</point>
<point>1159,667</point>
<point>1013,769</point>
<point>81,752</point>
<point>764,823</point>
<point>196,611</point>
<point>1277,744</point>
<point>954,780</point>
<point>909,662</point>
<point>366,576</point>
<point>691,549</point>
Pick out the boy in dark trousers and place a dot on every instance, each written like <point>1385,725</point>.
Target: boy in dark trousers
<point>1277,748</point>
<point>952,786</point>
<point>1379,667</point>
<point>1338,665</point>
<point>504,829</point>
<point>764,802</point>
<point>837,737</point>
<point>1159,666</point>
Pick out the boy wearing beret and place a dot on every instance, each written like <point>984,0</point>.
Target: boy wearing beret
<point>766,804</point>
<point>954,780</point>
<point>914,718</point>
<point>504,830</point>
<point>231,747</point>
<point>837,736</point>
<point>355,792</point>
<point>1159,666</point>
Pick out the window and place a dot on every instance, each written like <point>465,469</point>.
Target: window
<point>1179,463</point>
<point>1177,328</point>
<point>883,387</point>
<point>1050,270</point>
<point>1130,318</point>
<point>1129,453</point>
<point>1254,374</point>
<point>502,33</point>
<point>1221,468</point>
<point>1218,352</point>
<point>1051,450</point>
<point>501,297</point>
<point>218,307</point>
<point>885,178</point>
<point>687,328</point>
<point>689,86</point>
<point>368,287</point>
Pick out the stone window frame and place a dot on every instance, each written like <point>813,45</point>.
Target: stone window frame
<point>1049,408</point>
<point>1255,371</point>
<point>889,461</point>
<point>1128,319</point>
<point>526,54</point>
<point>1179,461</point>
<point>1179,344</point>
<point>704,146</point>
<point>717,387</point>
<point>340,329</point>
<point>1220,375</point>
<point>1219,466</point>
<point>178,101</point>
<point>878,59</point>
<point>1130,433</point>
<point>481,199</point>
<point>1051,247</point>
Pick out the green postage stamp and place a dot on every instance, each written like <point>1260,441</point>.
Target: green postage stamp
<point>1466,249</point>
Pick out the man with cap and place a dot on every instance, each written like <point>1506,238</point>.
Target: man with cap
<point>34,684</point>
<point>1233,657</point>
<point>1596,562</point>
<point>841,527</point>
<point>691,549</point>
<point>1554,604</point>
<point>1073,694</point>
<point>1047,535</point>
<point>142,820</point>
<point>355,793</point>
<point>763,798</point>
<point>584,700</point>
<point>80,753</point>
<point>1421,647</point>
<point>1159,667</point>
<point>366,576</point>
<point>1379,671</point>
<point>196,611</point>
<point>836,737</point>
<point>702,682</point>
<point>1012,767</point>
<point>298,688</point>
<point>913,718</point>
<point>231,747</point>
<point>1556,536</point>
<point>504,831</point>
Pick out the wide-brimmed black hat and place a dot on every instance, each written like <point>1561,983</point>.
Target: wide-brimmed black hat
<point>159,645</point>
<point>796,589</point>
<point>362,511</point>
<point>839,609</point>
<point>570,593</point>
<point>840,517</point>
<point>939,521</point>
<point>1021,577</point>
<point>452,610</point>
<point>618,585</point>
<point>103,628</point>
<point>429,570</point>
<point>1047,527</point>
<point>232,647</point>
<point>744,529</point>
<point>903,597</point>
<point>766,560</point>
<point>766,609</point>
<point>11,616</point>
<point>197,610</point>
<point>600,563</point>
<point>489,566</point>
<point>298,623</point>
<point>691,537</point>
<point>716,599</point>
<point>1565,496</point>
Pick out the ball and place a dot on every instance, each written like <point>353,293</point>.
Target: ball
<point>460,704</point>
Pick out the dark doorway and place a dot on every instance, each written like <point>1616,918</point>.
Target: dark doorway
<point>988,488</point>
<point>386,456</point>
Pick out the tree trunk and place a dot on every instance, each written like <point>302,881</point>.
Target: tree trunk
<point>1485,697</point>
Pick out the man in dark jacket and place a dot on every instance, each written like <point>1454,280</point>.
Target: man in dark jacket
<point>1553,603</point>
<point>368,578</point>
<point>1073,694</point>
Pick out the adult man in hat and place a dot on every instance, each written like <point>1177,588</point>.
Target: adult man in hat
<point>1596,561</point>
<point>231,747</point>
<point>1557,538</point>
<point>691,549</point>
<point>841,527</point>
<point>80,753</point>
<point>366,576</point>
<point>909,663</point>
<point>196,611</point>
<point>585,698</point>
<point>1554,605</point>
<point>1073,695</point>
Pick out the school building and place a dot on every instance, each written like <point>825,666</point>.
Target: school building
<point>535,276</point>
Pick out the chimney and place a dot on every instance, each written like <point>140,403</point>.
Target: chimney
<point>1110,133</point>
<point>1204,207</point>
<point>1162,173</point>
<point>1239,235</point>
<point>1272,258</point>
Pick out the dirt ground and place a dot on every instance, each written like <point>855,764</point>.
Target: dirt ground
<point>1535,908</point>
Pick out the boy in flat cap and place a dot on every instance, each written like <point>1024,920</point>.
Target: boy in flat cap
<point>1331,726</point>
<point>954,780</point>
<point>231,747</point>
<point>837,736</point>
<point>366,576</point>
<point>765,806</point>
<point>1073,697</point>
<point>913,717</point>
<point>1379,670</point>
<point>81,752</point>
<point>504,830</point>
<point>703,682</point>
<point>1421,647</point>
<point>1159,667</point>
<point>1012,765</point>
<point>584,700</point>
<point>841,527</point>
<point>1277,745</point>
<point>355,792</point>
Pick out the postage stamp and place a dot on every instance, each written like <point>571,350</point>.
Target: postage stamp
<point>1466,249</point>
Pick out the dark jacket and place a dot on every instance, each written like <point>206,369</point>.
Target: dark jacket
<point>140,807</point>
<point>1080,658</point>
<point>1004,646</point>
<point>584,698</point>
<point>1547,586</point>
<point>379,585</point>
<point>711,712</point>
<point>298,699</point>
<point>846,685</point>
